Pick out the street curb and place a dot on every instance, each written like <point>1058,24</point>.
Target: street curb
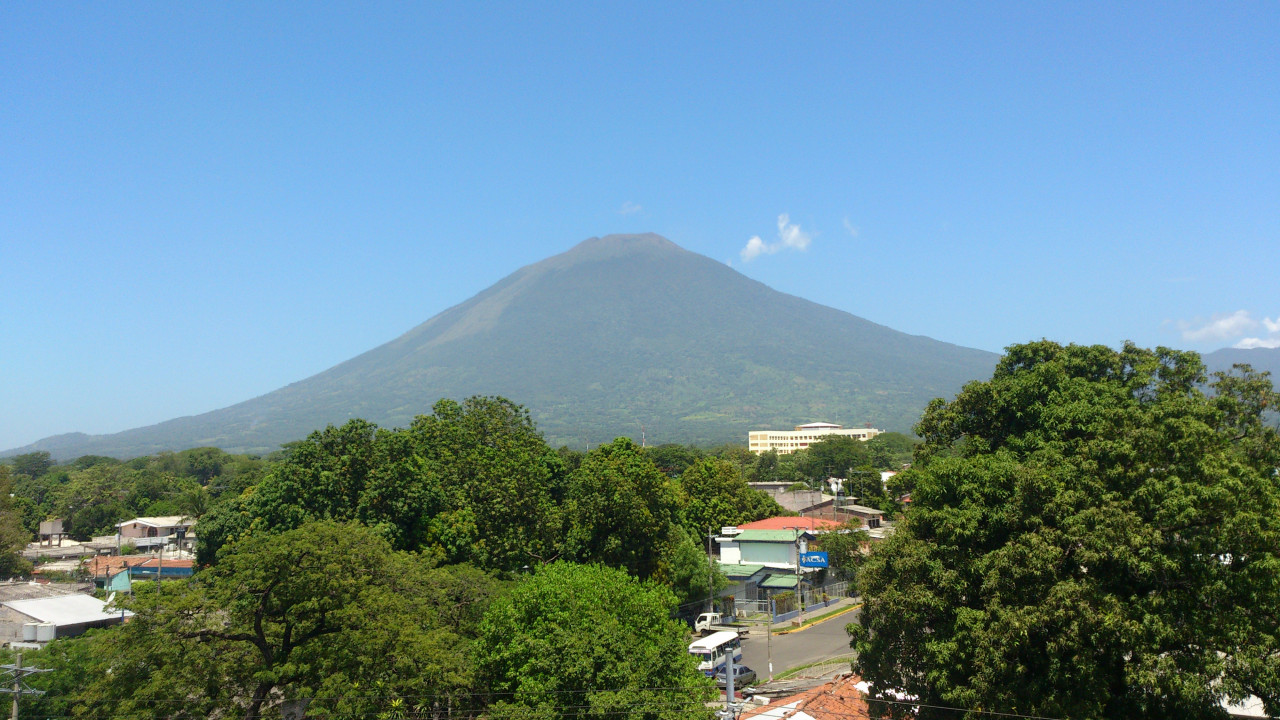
<point>806,626</point>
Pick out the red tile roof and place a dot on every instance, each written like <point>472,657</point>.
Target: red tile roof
<point>785,523</point>
<point>836,700</point>
<point>107,565</point>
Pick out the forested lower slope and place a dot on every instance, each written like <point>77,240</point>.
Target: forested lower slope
<point>620,332</point>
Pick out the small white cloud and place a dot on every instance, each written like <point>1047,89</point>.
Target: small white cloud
<point>1272,340</point>
<point>849,226</point>
<point>1251,343</point>
<point>1219,327</point>
<point>755,246</point>
<point>629,208</point>
<point>790,237</point>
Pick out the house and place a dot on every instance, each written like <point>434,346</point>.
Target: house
<point>164,569</point>
<point>103,567</point>
<point>156,531</point>
<point>871,517</point>
<point>840,699</point>
<point>796,501</point>
<point>34,621</point>
<point>771,548</point>
<point>744,579</point>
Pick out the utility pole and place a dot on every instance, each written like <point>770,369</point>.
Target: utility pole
<point>769,640</point>
<point>19,687</point>
<point>731,708</point>
<point>711,573</point>
<point>799,586</point>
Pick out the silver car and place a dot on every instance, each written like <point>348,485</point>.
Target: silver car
<point>742,677</point>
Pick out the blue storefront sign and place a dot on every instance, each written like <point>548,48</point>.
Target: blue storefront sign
<point>813,559</point>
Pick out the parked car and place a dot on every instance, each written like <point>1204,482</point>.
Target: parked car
<point>742,677</point>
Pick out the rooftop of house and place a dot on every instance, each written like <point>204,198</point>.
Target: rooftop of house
<point>75,609</point>
<point>784,522</point>
<point>779,581</point>
<point>739,571</point>
<point>161,521</point>
<point>777,536</point>
<point>29,590</point>
<point>103,565</point>
<point>839,699</point>
<point>167,562</point>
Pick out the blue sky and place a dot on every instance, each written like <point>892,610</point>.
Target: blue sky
<point>200,203</point>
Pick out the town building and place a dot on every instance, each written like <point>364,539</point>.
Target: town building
<point>785,442</point>
<point>143,532</point>
<point>32,614</point>
<point>843,698</point>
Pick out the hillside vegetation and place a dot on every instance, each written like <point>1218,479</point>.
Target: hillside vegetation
<point>618,334</point>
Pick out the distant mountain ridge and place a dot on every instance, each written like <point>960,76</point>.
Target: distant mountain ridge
<point>618,334</point>
<point>1261,359</point>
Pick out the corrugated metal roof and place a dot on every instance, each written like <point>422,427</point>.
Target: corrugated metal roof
<point>65,610</point>
<point>779,581</point>
<point>740,570</point>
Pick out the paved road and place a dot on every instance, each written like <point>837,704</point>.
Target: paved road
<point>816,642</point>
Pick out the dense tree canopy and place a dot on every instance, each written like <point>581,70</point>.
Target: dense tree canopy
<point>581,641</point>
<point>13,537</point>
<point>623,509</point>
<point>324,613</point>
<point>716,495</point>
<point>1091,535</point>
<point>473,482</point>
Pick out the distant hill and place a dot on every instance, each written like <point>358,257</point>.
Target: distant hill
<point>1260,358</point>
<point>617,333</point>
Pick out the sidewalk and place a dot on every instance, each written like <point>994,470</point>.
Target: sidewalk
<point>811,617</point>
<point>819,615</point>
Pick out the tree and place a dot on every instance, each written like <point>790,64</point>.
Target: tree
<point>504,486</point>
<point>32,464</point>
<point>686,568</point>
<point>673,459</point>
<point>1090,535</point>
<point>312,613</point>
<point>715,496</point>
<point>622,509</point>
<point>891,450</point>
<point>845,548</point>
<point>833,455</point>
<point>473,482</point>
<point>93,499</point>
<point>13,536</point>
<point>585,641</point>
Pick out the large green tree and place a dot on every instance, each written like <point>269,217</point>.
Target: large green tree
<point>716,495</point>
<point>13,536</point>
<point>1091,535</point>
<point>472,482</point>
<point>325,613</point>
<point>622,509</point>
<point>585,641</point>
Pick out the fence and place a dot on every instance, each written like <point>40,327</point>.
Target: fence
<point>783,605</point>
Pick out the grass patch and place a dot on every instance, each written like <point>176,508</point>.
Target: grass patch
<point>792,672</point>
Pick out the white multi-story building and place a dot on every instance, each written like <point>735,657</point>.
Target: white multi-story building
<point>789,441</point>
